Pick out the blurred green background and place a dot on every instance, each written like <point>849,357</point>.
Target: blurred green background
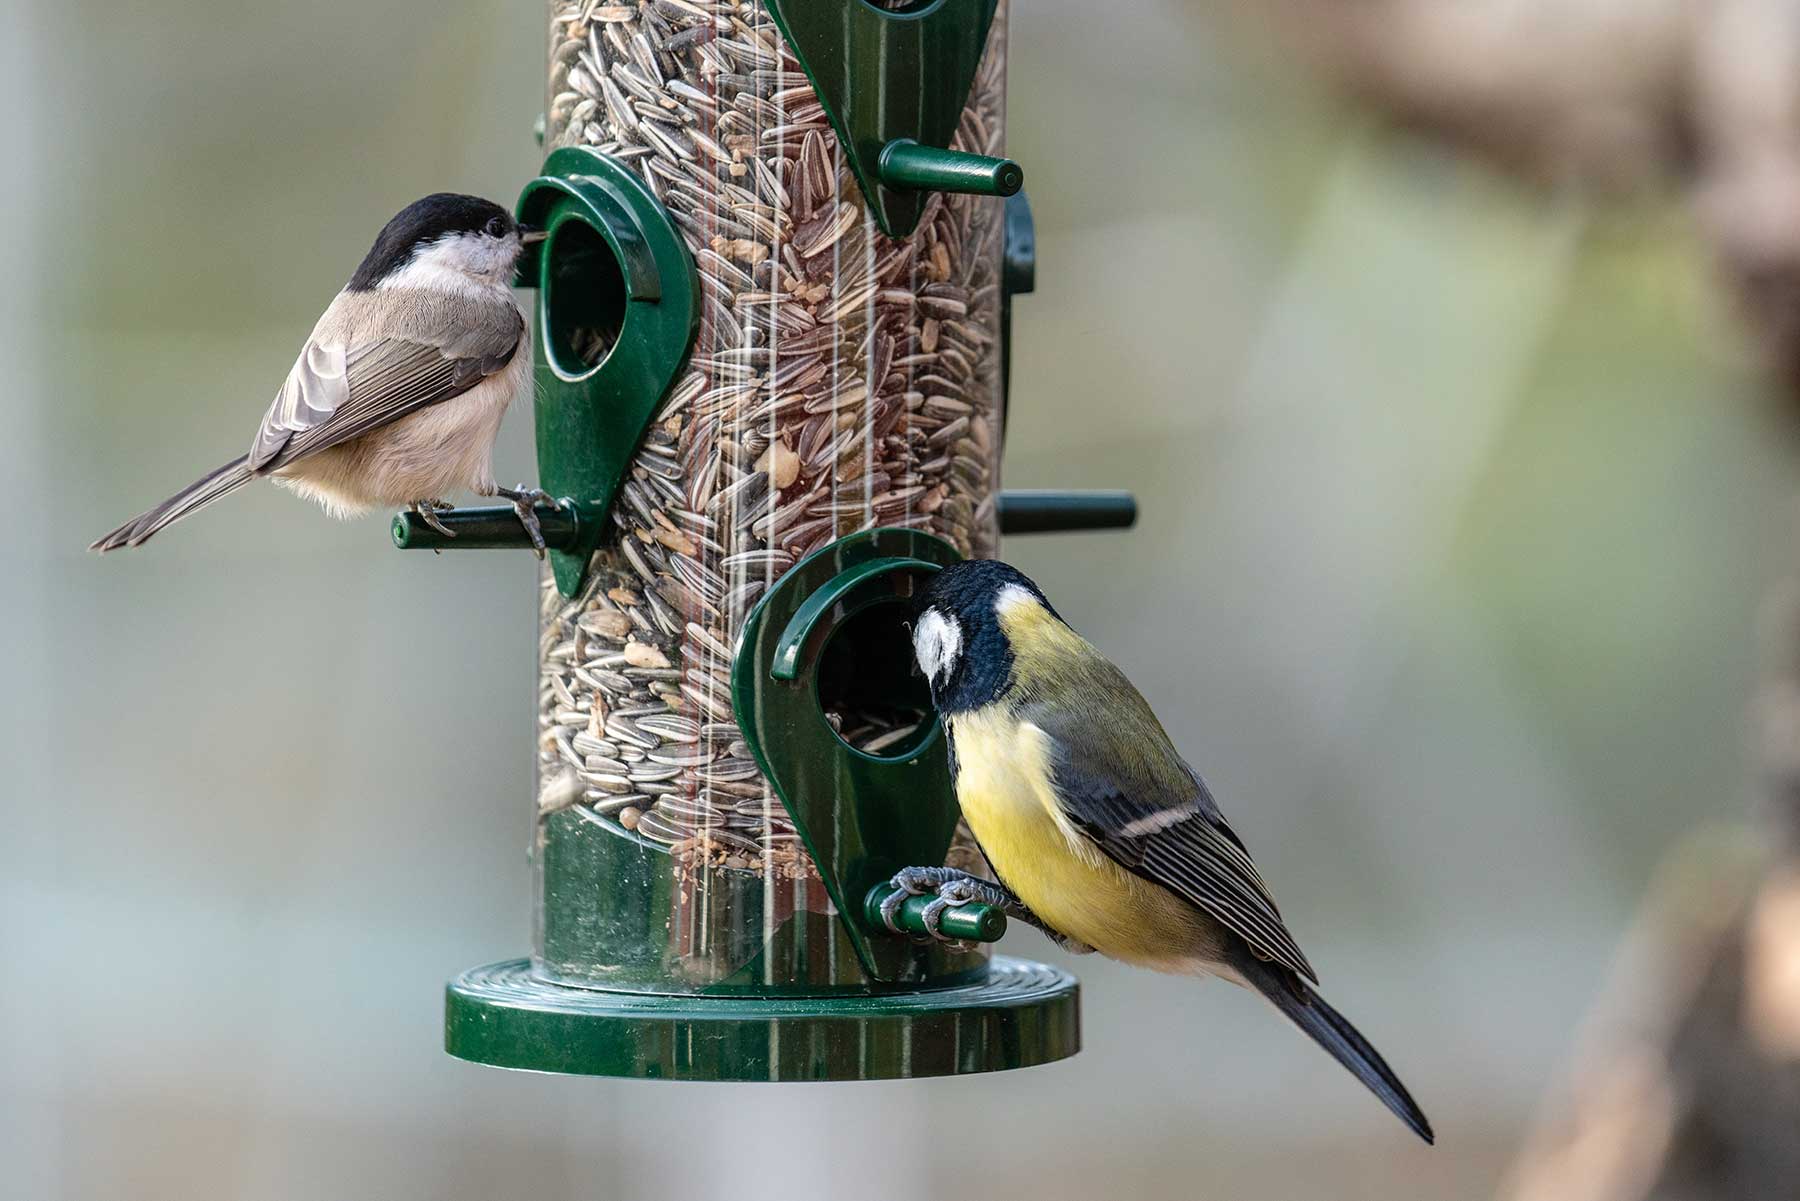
<point>1457,504</point>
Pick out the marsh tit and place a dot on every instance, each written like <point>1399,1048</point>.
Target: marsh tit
<point>1098,831</point>
<point>397,396</point>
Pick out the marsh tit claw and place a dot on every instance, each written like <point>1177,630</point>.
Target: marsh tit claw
<point>428,511</point>
<point>524,501</point>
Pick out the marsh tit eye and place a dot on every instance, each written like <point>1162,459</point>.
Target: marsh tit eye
<point>495,228</point>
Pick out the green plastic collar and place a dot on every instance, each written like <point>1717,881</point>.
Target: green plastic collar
<point>613,267</point>
<point>1019,1015</point>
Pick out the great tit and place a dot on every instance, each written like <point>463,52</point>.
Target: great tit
<point>397,396</point>
<point>1098,831</point>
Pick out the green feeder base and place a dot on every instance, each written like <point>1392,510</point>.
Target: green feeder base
<point>1023,1014</point>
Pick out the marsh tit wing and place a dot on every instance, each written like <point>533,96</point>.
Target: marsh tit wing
<point>337,392</point>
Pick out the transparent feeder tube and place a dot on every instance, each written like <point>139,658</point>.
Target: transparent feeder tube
<point>840,380</point>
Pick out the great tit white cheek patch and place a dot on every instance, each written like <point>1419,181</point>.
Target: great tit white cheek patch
<point>937,642</point>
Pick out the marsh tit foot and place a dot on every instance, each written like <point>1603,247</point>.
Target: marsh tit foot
<point>428,510</point>
<point>524,502</point>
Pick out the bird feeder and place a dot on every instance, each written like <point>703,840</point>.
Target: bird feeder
<point>771,333</point>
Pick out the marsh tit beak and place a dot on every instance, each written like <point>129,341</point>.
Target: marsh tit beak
<point>531,235</point>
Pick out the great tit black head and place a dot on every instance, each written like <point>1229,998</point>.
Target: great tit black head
<point>957,637</point>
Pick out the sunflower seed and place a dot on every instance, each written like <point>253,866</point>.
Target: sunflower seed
<point>840,380</point>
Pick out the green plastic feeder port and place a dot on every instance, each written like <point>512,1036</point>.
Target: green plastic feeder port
<point>617,306</point>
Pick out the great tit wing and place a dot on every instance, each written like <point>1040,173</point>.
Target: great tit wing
<point>342,388</point>
<point>1120,781</point>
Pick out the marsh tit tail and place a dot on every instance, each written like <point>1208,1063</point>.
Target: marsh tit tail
<point>220,482</point>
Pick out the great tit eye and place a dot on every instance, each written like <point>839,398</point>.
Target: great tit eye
<point>496,227</point>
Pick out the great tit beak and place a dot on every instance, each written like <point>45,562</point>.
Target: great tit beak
<point>531,235</point>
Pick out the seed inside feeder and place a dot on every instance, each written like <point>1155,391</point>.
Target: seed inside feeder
<point>840,380</point>
<point>586,296</point>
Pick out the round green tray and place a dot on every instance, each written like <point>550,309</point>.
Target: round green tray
<point>1024,1014</point>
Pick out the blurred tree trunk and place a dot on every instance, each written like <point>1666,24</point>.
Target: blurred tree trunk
<point>1686,1085</point>
<point>1612,96</point>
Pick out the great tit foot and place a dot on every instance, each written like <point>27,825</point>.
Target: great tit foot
<point>524,502</point>
<point>912,882</point>
<point>428,510</point>
<point>962,890</point>
<point>955,887</point>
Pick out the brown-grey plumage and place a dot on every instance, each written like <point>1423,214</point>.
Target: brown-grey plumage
<point>371,362</point>
<point>398,393</point>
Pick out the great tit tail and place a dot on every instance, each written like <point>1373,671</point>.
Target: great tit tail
<point>1333,1031</point>
<point>196,496</point>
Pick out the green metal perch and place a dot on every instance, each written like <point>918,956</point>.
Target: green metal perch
<point>497,527</point>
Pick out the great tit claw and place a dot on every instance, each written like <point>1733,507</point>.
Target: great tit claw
<point>950,894</point>
<point>933,914</point>
<point>890,910</point>
<point>911,882</point>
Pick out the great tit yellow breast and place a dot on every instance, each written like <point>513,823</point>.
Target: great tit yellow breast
<point>1005,788</point>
